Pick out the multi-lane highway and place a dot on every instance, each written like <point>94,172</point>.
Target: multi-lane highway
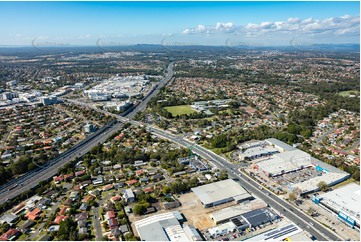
<point>32,178</point>
<point>291,212</point>
<point>143,105</point>
<point>302,220</point>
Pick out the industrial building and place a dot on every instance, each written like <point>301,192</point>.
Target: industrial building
<point>222,229</point>
<point>344,201</point>
<point>220,192</point>
<point>245,221</point>
<point>259,216</point>
<point>234,211</point>
<point>293,160</point>
<point>281,146</point>
<point>329,174</point>
<point>49,100</point>
<point>285,162</point>
<point>277,234</point>
<point>166,227</point>
<point>257,152</point>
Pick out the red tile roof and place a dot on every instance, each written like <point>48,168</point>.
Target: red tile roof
<point>33,215</point>
<point>63,210</point>
<point>8,234</point>
<point>60,218</point>
<point>111,214</point>
<point>131,182</point>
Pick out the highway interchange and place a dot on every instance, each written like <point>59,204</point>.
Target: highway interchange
<point>32,179</point>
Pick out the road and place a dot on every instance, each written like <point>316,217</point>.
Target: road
<point>97,216</point>
<point>31,179</point>
<point>96,224</point>
<point>302,220</point>
<point>291,212</point>
<point>163,82</point>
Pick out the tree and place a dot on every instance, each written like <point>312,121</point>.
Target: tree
<point>322,186</point>
<point>130,237</point>
<point>105,238</point>
<point>4,227</point>
<point>4,174</point>
<point>165,190</point>
<point>21,165</point>
<point>356,175</point>
<point>68,230</point>
<point>292,197</point>
<point>140,208</point>
<point>223,175</point>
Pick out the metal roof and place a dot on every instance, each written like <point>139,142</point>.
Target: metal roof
<point>346,199</point>
<point>260,216</point>
<point>234,211</point>
<point>161,227</point>
<point>279,143</point>
<point>277,234</point>
<point>219,191</point>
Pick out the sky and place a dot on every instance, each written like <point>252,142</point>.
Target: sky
<point>178,23</point>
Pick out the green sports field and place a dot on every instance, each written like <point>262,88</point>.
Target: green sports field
<point>348,93</point>
<point>179,110</point>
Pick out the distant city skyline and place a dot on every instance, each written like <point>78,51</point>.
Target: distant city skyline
<point>178,23</point>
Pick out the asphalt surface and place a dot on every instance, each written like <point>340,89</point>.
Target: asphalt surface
<point>291,212</point>
<point>143,105</point>
<point>32,179</point>
<point>304,221</point>
<point>97,225</point>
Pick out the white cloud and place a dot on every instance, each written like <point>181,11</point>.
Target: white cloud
<point>219,27</point>
<point>345,25</point>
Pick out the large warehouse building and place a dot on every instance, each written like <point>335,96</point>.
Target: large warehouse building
<point>285,162</point>
<point>221,192</point>
<point>344,201</point>
<point>234,211</point>
<point>293,160</point>
<point>330,175</point>
<point>166,227</point>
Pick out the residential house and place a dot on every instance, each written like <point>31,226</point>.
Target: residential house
<point>129,196</point>
<point>123,228</point>
<point>81,216</point>
<point>9,218</point>
<point>34,214</point>
<point>131,182</point>
<point>98,181</point>
<point>83,206</point>
<point>10,235</point>
<point>59,219</point>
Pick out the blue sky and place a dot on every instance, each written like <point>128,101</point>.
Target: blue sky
<point>88,23</point>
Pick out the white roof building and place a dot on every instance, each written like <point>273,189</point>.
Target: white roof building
<point>234,211</point>
<point>330,175</point>
<point>346,199</point>
<point>163,227</point>
<point>285,162</point>
<point>221,192</point>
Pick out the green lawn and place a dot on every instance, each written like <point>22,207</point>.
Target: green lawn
<point>179,110</point>
<point>348,93</point>
<point>228,111</point>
